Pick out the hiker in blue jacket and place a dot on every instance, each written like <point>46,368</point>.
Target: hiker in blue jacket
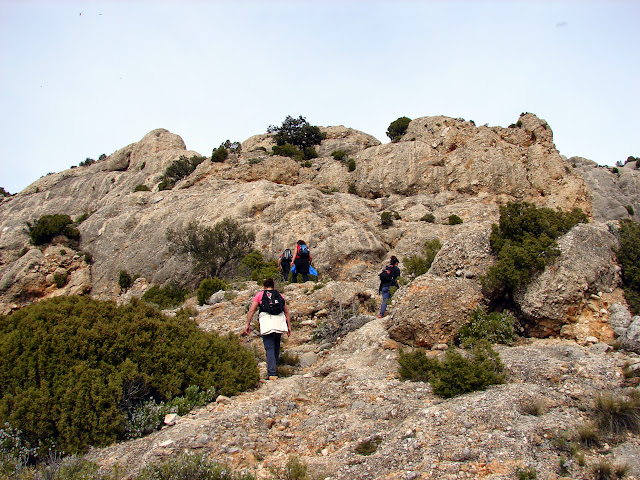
<point>388,278</point>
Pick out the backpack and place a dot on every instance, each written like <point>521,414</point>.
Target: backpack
<point>287,256</point>
<point>272,302</point>
<point>385,275</point>
<point>303,251</point>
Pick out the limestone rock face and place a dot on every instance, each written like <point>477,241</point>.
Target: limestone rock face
<point>587,265</point>
<point>442,154</point>
<point>612,192</point>
<point>468,254</point>
<point>430,310</point>
<point>441,166</point>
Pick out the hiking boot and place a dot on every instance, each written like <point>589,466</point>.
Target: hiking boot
<point>273,377</point>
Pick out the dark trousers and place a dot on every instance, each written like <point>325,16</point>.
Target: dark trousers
<point>271,344</point>
<point>286,267</point>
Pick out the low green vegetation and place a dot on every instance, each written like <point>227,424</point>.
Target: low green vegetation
<point>524,243</point>
<point>398,128</point>
<point>77,372</point>
<point>47,227</point>
<point>141,188</point>
<point>179,169</point>
<point>170,296</point>
<point>298,133</point>
<point>629,259</point>
<point>459,372</point>
<point>255,267</point>
<point>494,327</point>
<point>416,265</point>
<point>208,287</point>
<point>454,220</point>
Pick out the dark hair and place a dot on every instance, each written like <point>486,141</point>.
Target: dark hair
<point>268,283</point>
<point>301,242</point>
<point>394,260</point>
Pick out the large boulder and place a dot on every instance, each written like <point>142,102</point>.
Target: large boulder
<point>587,265</point>
<point>430,310</point>
<point>614,191</point>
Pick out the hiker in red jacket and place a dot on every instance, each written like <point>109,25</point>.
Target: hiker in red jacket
<point>302,261</point>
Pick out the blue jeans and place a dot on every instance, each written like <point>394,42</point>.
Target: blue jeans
<point>386,296</point>
<point>271,344</point>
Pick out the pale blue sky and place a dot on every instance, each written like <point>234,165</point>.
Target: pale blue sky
<point>82,78</point>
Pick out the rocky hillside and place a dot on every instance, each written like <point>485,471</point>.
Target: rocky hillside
<point>347,390</point>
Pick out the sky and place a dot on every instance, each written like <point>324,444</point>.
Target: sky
<point>83,78</point>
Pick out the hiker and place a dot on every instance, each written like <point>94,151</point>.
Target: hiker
<point>274,320</point>
<point>388,279</point>
<point>302,261</point>
<point>284,263</point>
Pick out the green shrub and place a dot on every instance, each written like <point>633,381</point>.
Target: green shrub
<point>494,327</point>
<point>629,259</point>
<point>188,466</point>
<point>352,189</point>
<point>351,164</point>
<point>74,368</point>
<point>630,210</point>
<point>60,279</point>
<point>454,220</point>
<point>219,154</point>
<point>456,374</point>
<point>398,128</point>
<point>141,188</point>
<point>339,155</point>
<point>215,250</point>
<point>208,287</point>
<point>49,226</point>
<point>124,281</point>
<point>288,150</point>
<point>4,193</point>
<point>416,265</point>
<point>297,132</point>
<point>166,297</point>
<point>524,242</point>
<point>179,169</point>
<point>386,219</point>
<point>256,268</point>
<point>428,217</point>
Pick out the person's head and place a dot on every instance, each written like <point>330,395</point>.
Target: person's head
<point>301,242</point>
<point>269,283</point>
<point>394,260</point>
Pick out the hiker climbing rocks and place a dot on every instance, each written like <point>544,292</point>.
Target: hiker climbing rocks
<point>284,263</point>
<point>302,261</point>
<point>274,320</point>
<point>388,278</point>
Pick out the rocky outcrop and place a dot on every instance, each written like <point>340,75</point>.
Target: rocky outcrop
<point>586,265</point>
<point>430,310</point>
<point>439,154</point>
<point>614,191</point>
<point>625,327</point>
<point>441,166</point>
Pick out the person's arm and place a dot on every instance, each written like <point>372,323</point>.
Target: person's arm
<point>252,310</point>
<point>279,260</point>
<point>287,315</point>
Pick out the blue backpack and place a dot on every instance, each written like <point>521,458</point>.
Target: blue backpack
<point>303,251</point>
